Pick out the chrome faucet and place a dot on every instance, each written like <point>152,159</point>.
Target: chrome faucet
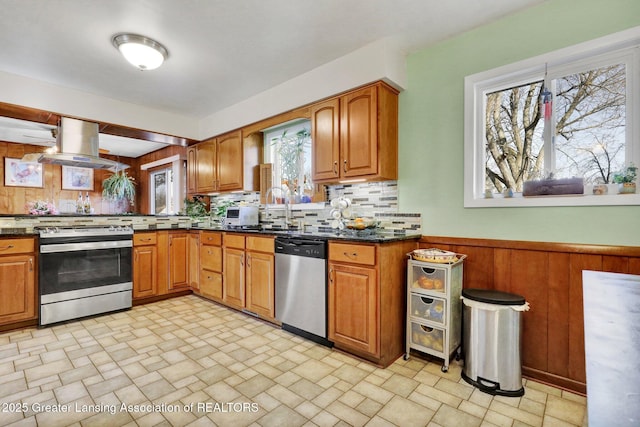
<point>287,206</point>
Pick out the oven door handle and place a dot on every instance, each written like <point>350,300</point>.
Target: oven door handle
<point>85,246</point>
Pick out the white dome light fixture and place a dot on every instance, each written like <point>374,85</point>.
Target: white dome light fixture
<point>142,52</point>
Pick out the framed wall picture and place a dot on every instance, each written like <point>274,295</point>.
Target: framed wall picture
<point>74,178</point>
<point>22,174</point>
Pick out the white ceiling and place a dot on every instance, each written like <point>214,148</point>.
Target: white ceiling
<point>220,51</point>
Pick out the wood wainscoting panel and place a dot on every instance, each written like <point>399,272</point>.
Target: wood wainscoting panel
<point>530,277</point>
<point>558,312</point>
<point>549,276</point>
<point>577,263</point>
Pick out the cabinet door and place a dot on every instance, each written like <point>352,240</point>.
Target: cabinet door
<point>192,169</point>
<point>194,260</point>
<point>359,135</point>
<point>260,284</point>
<point>234,277</point>
<point>229,161</point>
<point>353,308</point>
<point>178,266</point>
<point>325,137</point>
<point>145,265</point>
<point>17,288</point>
<point>206,166</point>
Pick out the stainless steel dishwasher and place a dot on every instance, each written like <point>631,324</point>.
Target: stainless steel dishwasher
<point>301,287</point>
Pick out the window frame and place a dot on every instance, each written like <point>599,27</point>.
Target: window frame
<point>625,44</point>
<point>178,165</point>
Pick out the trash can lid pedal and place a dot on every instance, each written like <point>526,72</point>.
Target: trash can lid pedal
<point>491,296</point>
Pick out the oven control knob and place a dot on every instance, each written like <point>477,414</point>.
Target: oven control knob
<point>112,228</point>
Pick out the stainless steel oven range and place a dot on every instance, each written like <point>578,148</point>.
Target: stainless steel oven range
<point>84,272</point>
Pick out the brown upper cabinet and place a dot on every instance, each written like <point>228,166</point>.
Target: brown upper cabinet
<point>227,162</point>
<point>355,136</point>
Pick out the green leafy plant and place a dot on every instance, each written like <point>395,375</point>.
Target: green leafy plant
<point>195,207</point>
<point>290,149</point>
<point>627,175</point>
<point>119,186</point>
<point>220,209</point>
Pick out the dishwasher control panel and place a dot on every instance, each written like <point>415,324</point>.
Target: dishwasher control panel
<point>310,248</point>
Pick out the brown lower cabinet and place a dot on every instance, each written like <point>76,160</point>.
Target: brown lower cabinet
<point>238,271</point>
<point>17,280</point>
<point>194,260</point>
<point>145,265</point>
<point>211,265</point>
<point>249,274</point>
<point>160,262</point>
<point>366,299</point>
<point>260,276</point>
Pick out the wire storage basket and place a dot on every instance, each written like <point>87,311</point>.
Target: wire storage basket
<point>436,255</point>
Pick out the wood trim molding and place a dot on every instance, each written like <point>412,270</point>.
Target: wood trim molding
<point>41,116</point>
<point>577,248</point>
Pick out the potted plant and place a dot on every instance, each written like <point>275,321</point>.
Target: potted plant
<point>626,179</point>
<point>119,186</point>
<point>195,208</point>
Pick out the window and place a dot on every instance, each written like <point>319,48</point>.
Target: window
<point>288,149</point>
<point>162,195</point>
<point>567,114</point>
<point>167,185</point>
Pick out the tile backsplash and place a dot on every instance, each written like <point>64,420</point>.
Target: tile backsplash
<point>376,199</point>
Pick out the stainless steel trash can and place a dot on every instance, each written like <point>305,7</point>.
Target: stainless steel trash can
<point>491,341</point>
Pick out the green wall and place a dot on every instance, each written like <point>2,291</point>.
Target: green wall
<point>432,127</point>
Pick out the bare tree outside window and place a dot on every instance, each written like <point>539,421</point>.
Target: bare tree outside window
<point>588,120</point>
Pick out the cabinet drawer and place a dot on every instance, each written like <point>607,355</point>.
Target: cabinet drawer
<point>428,308</point>
<point>261,244</point>
<point>426,278</point>
<point>211,283</point>
<point>353,254</point>
<point>211,238</point>
<point>16,246</point>
<point>428,337</point>
<point>234,241</point>
<point>211,258</point>
<point>141,239</point>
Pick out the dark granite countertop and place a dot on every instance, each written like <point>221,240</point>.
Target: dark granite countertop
<point>378,236</point>
<point>16,229</point>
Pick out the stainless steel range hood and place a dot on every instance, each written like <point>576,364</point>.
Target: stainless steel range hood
<point>77,145</point>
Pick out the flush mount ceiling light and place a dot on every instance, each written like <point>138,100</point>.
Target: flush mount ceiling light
<point>142,52</point>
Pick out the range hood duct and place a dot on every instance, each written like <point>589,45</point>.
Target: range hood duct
<point>78,145</point>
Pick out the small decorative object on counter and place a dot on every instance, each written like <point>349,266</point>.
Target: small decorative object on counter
<point>600,189</point>
<point>626,179</point>
<point>38,207</point>
<point>341,210</point>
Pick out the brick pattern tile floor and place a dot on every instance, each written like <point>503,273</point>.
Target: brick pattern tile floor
<point>187,361</point>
